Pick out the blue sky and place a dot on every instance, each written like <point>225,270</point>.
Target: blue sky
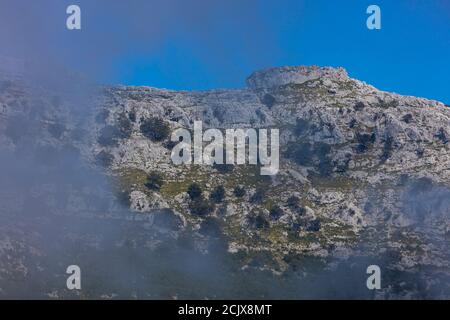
<point>409,55</point>
<point>204,44</point>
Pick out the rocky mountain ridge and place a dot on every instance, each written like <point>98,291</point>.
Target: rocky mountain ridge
<point>362,171</point>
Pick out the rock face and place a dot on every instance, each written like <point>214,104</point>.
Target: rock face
<point>362,171</point>
<point>352,156</point>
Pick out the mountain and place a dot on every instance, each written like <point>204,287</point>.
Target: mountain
<point>362,172</point>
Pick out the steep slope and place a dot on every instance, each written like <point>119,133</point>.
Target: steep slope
<point>362,172</point>
<point>357,163</point>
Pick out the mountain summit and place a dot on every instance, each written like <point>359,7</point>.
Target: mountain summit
<point>362,171</point>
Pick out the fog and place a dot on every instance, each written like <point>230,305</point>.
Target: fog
<point>57,209</point>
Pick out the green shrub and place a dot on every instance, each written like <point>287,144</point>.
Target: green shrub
<point>293,202</point>
<point>200,207</point>
<point>276,212</point>
<point>194,191</point>
<point>239,192</point>
<point>223,168</point>
<point>258,196</point>
<point>268,100</point>
<point>257,221</point>
<point>155,129</point>
<point>154,181</point>
<point>218,194</point>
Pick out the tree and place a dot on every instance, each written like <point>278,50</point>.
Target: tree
<point>155,129</point>
<point>276,212</point>
<point>194,191</point>
<point>293,202</point>
<point>218,194</point>
<point>200,207</point>
<point>258,196</point>
<point>239,192</point>
<point>154,181</point>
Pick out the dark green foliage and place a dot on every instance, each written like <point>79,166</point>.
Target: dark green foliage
<point>268,100</point>
<point>223,168</point>
<point>293,202</point>
<point>365,141</point>
<point>407,118</point>
<point>239,192</point>
<point>104,159</point>
<point>169,144</point>
<point>154,181</point>
<point>314,225</point>
<point>359,106</point>
<point>211,227</point>
<point>420,152</point>
<point>325,166</point>
<point>307,154</point>
<point>258,196</point>
<point>388,104</point>
<point>387,148</point>
<point>218,194</point>
<point>302,153</point>
<point>194,191</point>
<point>261,115</point>
<point>257,221</point>
<point>276,212</point>
<point>132,116</point>
<point>442,136</point>
<point>155,129</point>
<point>219,113</point>
<point>200,207</point>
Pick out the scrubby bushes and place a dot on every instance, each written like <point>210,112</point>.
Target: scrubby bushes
<point>223,168</point>
<point>194,191</point>
<point>276,212</point>
<point>293,202</point>
<point>307,154</point>
<point>218,194</point>
<point>313,226</point>
<point>257,221</point>
<point>268,100</point>
<point>442,136</point>
<point>239,192</point>
<point>200,207</point>
<point>258,196</point>
<point>132,116</point>
<point>365,141</point>
<point>388,147</point>
<point>154,181</point>
<point>155,129</point>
